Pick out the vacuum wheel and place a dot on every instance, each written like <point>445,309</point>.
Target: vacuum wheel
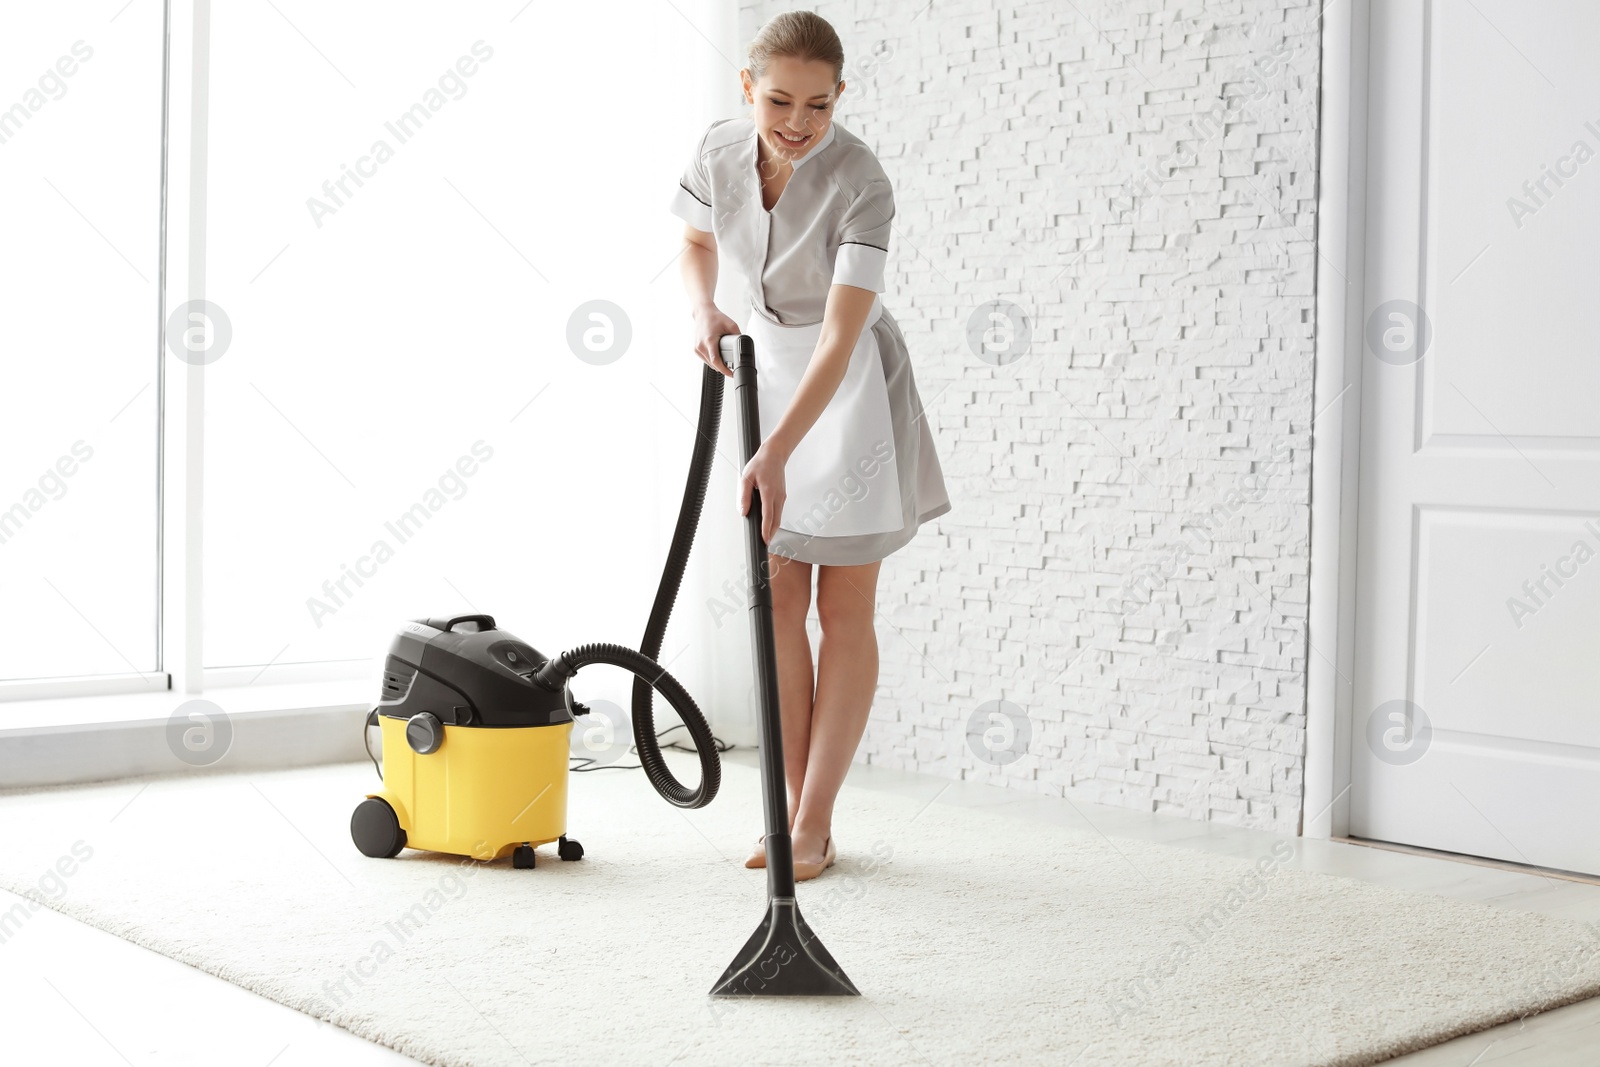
<point>376,829</point>
<point>569,850</point>
<point>523,857</point>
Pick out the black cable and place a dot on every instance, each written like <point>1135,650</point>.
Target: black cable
<point>721,746</point>
<point>582,762</point>
<point>366,741</point>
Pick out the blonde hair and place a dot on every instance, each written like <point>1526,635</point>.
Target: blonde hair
<point>802,35</point>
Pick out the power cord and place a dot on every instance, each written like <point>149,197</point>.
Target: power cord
<point>366,741</point>
<point>578,764</point>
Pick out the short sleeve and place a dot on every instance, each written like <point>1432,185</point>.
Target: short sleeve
<point>692,201</point>
<point>864,238</point>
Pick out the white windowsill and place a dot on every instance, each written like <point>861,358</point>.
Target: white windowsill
<point>69,713</point>
<point>65,740</point>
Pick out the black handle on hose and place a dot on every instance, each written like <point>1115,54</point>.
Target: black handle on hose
<point>694,495</point>
<point>649,675</point>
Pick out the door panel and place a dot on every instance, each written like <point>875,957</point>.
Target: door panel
<point>1477,689</point>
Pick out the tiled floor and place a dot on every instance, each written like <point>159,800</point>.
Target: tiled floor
<point>75,994</point>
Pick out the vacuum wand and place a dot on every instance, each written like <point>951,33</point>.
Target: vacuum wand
<point>774,787</point>
<point>783,957</point>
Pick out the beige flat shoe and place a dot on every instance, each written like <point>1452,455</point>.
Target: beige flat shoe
<point>804,872</point>
<point>758,858</point>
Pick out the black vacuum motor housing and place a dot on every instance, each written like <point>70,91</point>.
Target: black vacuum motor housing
<point>467,672</point>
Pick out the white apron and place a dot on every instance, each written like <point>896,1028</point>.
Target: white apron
<point>841,480</point>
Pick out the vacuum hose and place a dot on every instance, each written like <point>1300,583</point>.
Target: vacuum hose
<point>648,674</point>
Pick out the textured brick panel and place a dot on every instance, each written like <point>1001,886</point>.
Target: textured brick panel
<point>1127,557</point>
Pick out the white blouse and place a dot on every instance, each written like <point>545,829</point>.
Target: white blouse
<point>830,225</point>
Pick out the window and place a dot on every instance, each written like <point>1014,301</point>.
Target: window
<point>443,330</point>
<point>80,168</point>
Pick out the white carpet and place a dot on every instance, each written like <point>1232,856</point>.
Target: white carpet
<point>974,938</point>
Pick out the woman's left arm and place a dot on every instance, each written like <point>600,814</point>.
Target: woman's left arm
<point>843,318</point>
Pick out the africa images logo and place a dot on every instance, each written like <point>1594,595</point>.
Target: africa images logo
<point>1398,732</point>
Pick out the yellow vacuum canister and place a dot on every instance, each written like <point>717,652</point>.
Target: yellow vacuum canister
<point>476,727</point>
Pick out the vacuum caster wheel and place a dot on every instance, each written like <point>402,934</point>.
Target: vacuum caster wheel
<point>523,858</point>
<point>569,850</point>
<point>376,829</point>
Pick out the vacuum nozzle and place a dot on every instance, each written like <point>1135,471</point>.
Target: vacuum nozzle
<point>784,958</point>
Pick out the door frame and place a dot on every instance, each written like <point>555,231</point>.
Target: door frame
<point>1336,417</point>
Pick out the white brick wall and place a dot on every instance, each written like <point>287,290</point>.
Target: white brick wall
<point>1152,444</point>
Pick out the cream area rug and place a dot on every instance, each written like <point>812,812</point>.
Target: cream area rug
<point>974,938</point>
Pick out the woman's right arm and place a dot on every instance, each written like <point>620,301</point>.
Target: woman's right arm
<point>700,282</point>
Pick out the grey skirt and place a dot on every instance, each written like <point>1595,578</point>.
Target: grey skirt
<point>922,490</point>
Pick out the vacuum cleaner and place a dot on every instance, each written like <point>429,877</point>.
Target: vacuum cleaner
<point>476,726</point>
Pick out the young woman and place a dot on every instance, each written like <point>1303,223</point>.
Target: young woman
<point>800,208</point>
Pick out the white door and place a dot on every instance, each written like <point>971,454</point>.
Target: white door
<point>1476,716</point>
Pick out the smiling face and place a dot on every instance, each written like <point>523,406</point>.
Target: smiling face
<point>793,104</point>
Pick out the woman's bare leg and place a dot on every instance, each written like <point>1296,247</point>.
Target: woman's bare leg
<point>847,677</point>
<point>790,580</point>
